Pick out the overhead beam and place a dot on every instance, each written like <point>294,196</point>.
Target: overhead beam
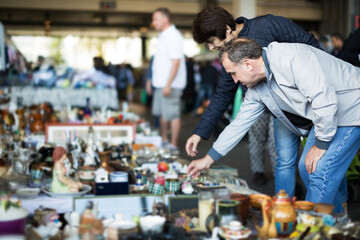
<point>179,6</point>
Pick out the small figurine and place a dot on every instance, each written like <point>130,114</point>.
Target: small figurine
<point>159,209</point>
<point>61,183</point>
<point>51,229</point>
<point>89,223</point>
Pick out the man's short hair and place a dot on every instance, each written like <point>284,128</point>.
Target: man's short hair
<point>211,22</point>
<point>239,49</point>
<point>165,12</point>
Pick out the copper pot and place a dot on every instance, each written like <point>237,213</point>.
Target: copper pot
<point>36,123</point>
<point>243,208</point>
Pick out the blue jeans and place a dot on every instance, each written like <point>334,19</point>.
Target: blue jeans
<point>287,148</point>
<point>326,184</point>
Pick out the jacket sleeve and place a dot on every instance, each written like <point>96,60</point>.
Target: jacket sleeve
<point>310,80</point>
<point>285,30</point>
<point>219,102</point>
<point>250,111</point>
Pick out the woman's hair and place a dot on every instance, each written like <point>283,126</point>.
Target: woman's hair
<point>211,22</point>
<point>58,153</point>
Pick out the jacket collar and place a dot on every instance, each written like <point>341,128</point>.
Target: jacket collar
<point>244,31</point>
<point>268,71</point>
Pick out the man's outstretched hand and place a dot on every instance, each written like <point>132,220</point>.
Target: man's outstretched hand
<point>191,145</point>
<point>196,166</point>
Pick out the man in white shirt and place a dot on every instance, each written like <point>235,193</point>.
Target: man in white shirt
<point>169,75</point>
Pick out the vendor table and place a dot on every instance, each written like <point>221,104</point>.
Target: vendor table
<point>59,97</point>
<point>62,205</point>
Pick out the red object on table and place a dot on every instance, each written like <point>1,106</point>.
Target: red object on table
<point>163,167</point>
<point>160,180</point>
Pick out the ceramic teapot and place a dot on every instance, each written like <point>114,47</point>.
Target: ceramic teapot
<point>284,213</point>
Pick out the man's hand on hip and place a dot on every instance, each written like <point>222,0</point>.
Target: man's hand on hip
<point>167,91</point>
<point>312,158</point>
<point>196,166</point>
<point>191,145</point>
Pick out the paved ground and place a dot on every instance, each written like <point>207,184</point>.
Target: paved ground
<point>237,158</point>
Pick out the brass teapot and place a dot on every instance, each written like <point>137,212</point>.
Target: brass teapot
<point>279,216</point>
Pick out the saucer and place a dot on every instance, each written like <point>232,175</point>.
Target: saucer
<point>27,193</point>
<point>242,233</point>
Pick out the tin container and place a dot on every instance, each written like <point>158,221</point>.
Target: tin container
<point>172,185</point>
<point>87,173</point>
<point>119,177</point>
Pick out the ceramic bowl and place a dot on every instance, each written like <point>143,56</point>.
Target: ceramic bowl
<point>256,200</point>
<point>13,221</point>
<point>152,224</point>
<point>119,228</point>
<point>27,193</point>
<point>304,205</point>
<point>324,208</point>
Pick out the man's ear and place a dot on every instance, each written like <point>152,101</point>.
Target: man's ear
<point>246,63</point>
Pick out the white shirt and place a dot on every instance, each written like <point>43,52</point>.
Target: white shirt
<point>169,47</point>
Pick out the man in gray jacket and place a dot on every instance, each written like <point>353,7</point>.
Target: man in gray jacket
<point>313,93</point>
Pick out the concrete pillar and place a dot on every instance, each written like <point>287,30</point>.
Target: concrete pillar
<point>244,8</point>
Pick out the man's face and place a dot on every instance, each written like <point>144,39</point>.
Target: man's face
<point>158,21</point>
<point>240,72</point>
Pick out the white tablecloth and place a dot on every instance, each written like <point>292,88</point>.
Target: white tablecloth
<point>62,205</point>
<point>59,97</point>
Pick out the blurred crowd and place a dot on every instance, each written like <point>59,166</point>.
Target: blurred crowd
<point>346,49</point>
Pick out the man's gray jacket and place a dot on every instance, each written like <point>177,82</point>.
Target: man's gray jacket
<point>303,81</point>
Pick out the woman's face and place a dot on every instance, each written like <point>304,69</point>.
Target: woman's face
<point>215,43</point>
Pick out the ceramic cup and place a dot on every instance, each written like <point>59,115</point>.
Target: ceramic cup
<point>172,185</point>
<point>158,189</point>
<point>243,208</point>
<point>227,210</point>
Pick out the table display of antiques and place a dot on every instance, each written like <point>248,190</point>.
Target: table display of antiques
<point>116,189</point>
